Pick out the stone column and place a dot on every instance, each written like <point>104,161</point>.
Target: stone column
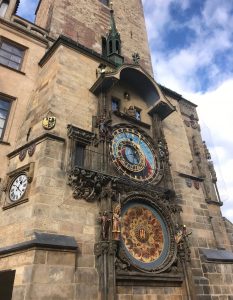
<point>105,252</point>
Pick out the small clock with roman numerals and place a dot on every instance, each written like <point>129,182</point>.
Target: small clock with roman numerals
<point>18,188</point>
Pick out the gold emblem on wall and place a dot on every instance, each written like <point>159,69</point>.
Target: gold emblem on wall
<point>49,122</point>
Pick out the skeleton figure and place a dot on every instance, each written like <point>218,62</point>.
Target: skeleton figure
<point>105,224</point>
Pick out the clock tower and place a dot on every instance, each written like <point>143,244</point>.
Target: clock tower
<point>107,190</point>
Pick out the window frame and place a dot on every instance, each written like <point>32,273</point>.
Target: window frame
<point>139,111</point>
<point>105,2</point>
<point>8,99</point>
<point>6,2</point>
<point>81,162</point>
<point>118,101</point>
<point>15,45</point>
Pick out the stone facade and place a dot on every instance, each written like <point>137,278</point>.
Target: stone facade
<point>87,22</point>
<point>62,237</point>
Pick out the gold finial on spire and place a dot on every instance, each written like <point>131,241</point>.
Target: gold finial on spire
<point>111,5</point>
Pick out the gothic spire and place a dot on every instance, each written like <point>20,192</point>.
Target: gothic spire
<point>114,40</point>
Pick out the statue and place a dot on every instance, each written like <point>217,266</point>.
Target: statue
<point>131,111</point>
<point>212,171</point>
<point>181,233</point>
<point>105,224</point>
<point>116,222</point>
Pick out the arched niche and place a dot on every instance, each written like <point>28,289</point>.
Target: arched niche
<point>142,83</point>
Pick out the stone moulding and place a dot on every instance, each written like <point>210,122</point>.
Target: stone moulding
<point>91,185</point>
<point>131,119</point>
<point>71,44</point>
<point>36,141</point>
<point>80,135</point>
<point>43,241</point>
<point>216,255</point>
<point>134,278</point>
<point>200,179</point>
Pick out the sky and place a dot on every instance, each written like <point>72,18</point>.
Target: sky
<point>191,44</point>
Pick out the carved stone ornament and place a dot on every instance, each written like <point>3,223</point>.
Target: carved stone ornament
<point>163,151</point>
<point>206,150</point>
<point>105,130</point>
<point>136,58</point>
<point>188,109</point>
<point>87,184</point>
<point>31,149</point>
<point>105,247</point>
<point>22,154</point>
<point>187,123</point>
<point>212,171</point>
<point>196,184</point>
<point>193,122</point>
<point>182,241</point>
<point>196,147</point>
<point>80,135</point>
<point>189,182</point>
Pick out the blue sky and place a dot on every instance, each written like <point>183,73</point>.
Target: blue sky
<point>191,44</point>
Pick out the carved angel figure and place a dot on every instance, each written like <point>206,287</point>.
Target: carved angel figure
<point>116,222</point>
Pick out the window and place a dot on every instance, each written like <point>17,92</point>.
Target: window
<point>104,47</point>
<point>115,104</point>
<point>3,7</point>
<point>11,55</point>
<point>79,155</point>
<point>5,106</point>
<point>105,2</point>
<point>138,113</point>
<point>80,140</point>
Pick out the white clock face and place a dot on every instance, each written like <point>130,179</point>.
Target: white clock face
<point>18,188</point>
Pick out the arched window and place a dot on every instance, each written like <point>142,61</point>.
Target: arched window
<point>117,47</point>
<point>104,47</point>
<point>110,47</point>
<point>3,7</point>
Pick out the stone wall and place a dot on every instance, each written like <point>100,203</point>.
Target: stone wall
<point>18,85</point>
<point>87,21</point>
<point>36,269</point>
<point>150,293</point>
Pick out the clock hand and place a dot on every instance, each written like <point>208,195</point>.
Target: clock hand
<point>17,188</point>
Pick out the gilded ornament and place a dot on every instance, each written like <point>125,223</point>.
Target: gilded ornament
<point>49,123</point>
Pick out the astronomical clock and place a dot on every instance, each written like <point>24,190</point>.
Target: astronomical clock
<point>145,237</point>
<point>133,154</point>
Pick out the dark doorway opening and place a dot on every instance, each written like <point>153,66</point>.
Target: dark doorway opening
<point>6,284</point>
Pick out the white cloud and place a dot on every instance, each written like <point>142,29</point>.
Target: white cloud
<point>177,68</point>
<point>212,37</point>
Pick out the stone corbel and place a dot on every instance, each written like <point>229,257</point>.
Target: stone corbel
<point>88,185</point>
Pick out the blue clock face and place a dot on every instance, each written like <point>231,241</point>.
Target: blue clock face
<point>133,154</point>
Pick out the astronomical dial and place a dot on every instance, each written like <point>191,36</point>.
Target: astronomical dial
<point>133,154</point>
<point>18,187</point>
<point>144,235</point>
